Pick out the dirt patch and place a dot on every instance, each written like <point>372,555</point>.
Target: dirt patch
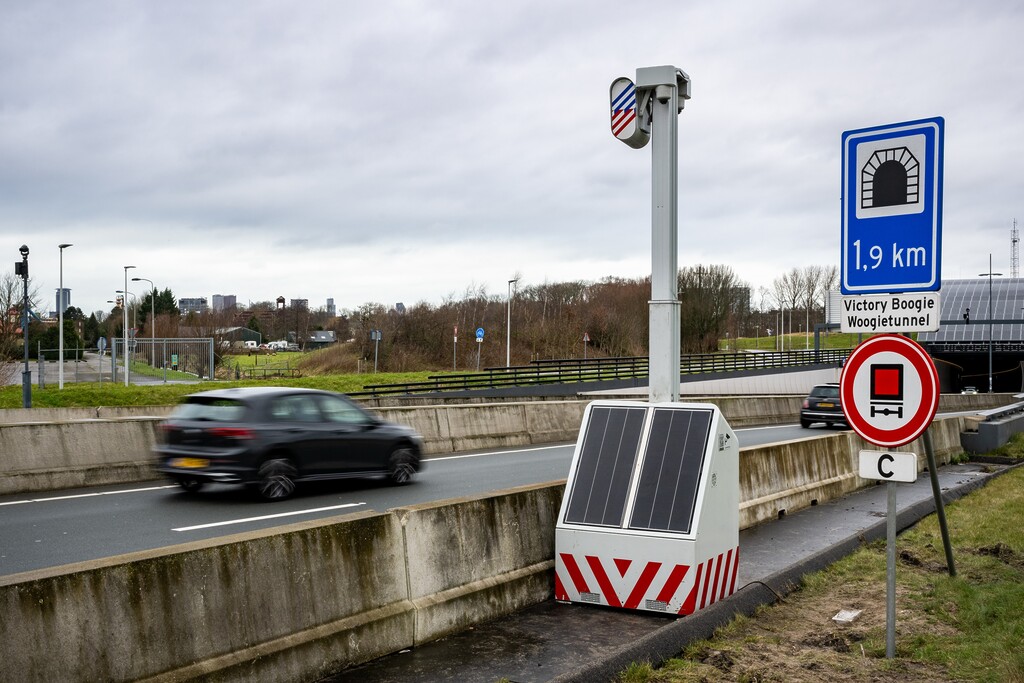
<point>798,642</point>
<point>1003,553</point>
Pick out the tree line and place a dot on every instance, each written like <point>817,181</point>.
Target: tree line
<point>573,319</point>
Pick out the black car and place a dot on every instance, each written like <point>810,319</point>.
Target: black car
<point>822,405</point>
<point>273,437</point>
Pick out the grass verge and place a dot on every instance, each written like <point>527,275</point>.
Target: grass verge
<point>965,628</point>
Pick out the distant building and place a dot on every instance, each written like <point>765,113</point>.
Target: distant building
<point>193,305</point>
<point>400,307</point>
<point>331,310</point>
<point>320,339</point>
<point>63,302</point>
<point>224,302</point>
<point>298,303</point>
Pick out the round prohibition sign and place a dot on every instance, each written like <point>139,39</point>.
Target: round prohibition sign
<point>890,390</point>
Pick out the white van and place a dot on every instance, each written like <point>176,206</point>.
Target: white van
<point>250,344</point>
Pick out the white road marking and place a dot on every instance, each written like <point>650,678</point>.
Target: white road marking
<point>263,517</point>
<point>518,450</point>
<point>88,495</point>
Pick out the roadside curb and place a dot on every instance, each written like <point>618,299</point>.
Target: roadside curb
<point>668,641</point>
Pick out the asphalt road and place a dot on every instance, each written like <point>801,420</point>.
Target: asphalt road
<point>50,529</point>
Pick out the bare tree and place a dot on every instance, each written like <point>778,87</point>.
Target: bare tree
<point>12,296</point>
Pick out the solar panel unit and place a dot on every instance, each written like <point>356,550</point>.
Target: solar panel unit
<point>650,516</point>
<point>671,471</point>
<point>610,447</point>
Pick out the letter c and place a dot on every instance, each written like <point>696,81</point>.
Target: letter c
<point>882,459</point>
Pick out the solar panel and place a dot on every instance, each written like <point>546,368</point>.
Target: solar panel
<point>671,471</point>
<point>1007,301</point>
<point>610,447</point>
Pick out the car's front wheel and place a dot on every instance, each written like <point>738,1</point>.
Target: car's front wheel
<point>401,466</point>
<point>276,479</point>
<point>190,485</point>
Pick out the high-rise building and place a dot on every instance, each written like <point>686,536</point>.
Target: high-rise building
<point>224,302</point>
<point>63,305</point>
<point>298,303</point>
<point>331,310</point>
<point>193,305</point>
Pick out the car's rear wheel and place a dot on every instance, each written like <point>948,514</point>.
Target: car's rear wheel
<point>805,423</point>
<point>190,485</point>
<point>276,479</point>
<point>401,466</point>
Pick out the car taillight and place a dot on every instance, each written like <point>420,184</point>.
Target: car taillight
<point>807,404</point>
<point>231,432</point>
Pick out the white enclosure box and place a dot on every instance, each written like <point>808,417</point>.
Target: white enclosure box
<point>650,516</point>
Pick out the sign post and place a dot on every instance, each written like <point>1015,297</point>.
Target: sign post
<point>890,391</point>
<point>479,343</point>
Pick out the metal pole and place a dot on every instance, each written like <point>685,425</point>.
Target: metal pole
<point>127,356</point>
<point>152,318</point>
<point>26,375</point>
<point>508,325</point>
<point>940,509</point>
<point>990,323</point>
<point>890,572</point>
<point>661,83</point>
<point>60,315</point>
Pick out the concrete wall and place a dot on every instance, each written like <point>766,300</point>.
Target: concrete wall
<point>789,476</point>
<point>297,602</point>
<point>49,449</point>
<point>292,604</point>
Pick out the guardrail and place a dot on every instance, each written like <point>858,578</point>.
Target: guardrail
<point>560,371</point>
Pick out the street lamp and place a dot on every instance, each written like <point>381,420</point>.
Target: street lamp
<point>61,305</point>
<point>508,326</point>
<point>135,306</point>
<point>990,274</point>
<point>126,354</point>
<point>152,316</point>
<point>26,375</point>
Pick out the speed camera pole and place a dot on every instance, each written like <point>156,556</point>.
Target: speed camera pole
<point>650,109</point>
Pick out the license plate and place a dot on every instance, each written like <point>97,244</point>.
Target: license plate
<point>194,463</point>
<point>826,405</point>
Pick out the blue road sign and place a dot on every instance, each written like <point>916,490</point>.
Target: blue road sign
<point>479,333</point>
<point>892,208</point>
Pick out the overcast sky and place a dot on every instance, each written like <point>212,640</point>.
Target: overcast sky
<point>405,151</point>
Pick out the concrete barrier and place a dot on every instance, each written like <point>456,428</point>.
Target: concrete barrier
<point>780,478</point>
<point>297,602</point>
<point>289,604</point>
<point>95,446</point>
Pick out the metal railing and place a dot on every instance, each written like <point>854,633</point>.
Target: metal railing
<point>561,371</point>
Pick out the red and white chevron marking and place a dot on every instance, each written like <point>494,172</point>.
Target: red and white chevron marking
<point>651,585</point>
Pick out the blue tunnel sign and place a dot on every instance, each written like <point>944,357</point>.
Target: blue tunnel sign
<point>892,208</point>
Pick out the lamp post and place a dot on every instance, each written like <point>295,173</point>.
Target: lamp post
<point>61,305</point>
<point>990,274</point>
<point>152,317</point>
<point>127,356</point>
<point>508,326</point>
<point>26,375</point>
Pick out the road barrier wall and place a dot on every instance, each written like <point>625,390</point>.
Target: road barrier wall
<point>780,478</point>
<point>295,603</point>
<point>54,448</point>
<point>298,602</point>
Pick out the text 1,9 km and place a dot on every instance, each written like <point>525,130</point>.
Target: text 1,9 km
<point>902,257</point>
